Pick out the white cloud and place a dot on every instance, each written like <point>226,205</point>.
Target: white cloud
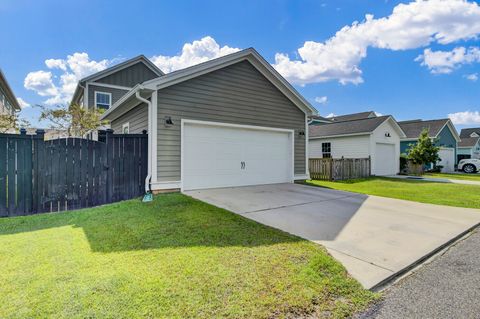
<point>56,64</point>
<point>465,118</point>
<point>60,87</point>
<point>444,62</point>
<point>192,53</point>
<point>40,82</point>
<point>321,99</point>
<point>331,115</point>
<point>378,113</point>
<point>472,77</point>
<point>22,103</point>
<point>413,25</point>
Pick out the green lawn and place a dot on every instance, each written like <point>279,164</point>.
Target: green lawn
<point>468,177</point>
<point>419,191</point>
<point>172,258</point>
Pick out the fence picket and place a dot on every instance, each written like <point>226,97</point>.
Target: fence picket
<point>339,168</point>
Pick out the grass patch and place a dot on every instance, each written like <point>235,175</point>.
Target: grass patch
<point>418,191</point>
<point>467,177</point>
<point>175,257</point>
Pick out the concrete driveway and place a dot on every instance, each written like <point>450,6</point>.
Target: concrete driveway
<point>375,238</point>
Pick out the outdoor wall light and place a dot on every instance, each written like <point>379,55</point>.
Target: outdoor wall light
<point>387,134</point>
<point>168,121</point>
<point>301,132</point>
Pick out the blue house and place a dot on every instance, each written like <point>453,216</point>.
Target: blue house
<point>442,131</point>
<point>469,146</point>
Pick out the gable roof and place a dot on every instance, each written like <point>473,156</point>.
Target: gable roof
<point>188,73</point>
<point>413,128</point>
<point>466,132</point>
<point>8,91</point>
<point>468,141</point>
<point>354,127</point>
<point>117,67</point>
<point>353,116</point>
<point>125,64</point>
<point>319,118</point>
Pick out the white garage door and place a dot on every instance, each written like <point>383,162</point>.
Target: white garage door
<point>447,159</point>
<point>385,162</point>
<point>223,156</point>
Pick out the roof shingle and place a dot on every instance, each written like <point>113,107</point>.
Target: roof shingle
<point>412,129</point>
<point>365,125</point>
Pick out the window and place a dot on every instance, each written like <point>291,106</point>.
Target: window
<point>126,128</point>
<point>326,150</point>
<point>103,100</point>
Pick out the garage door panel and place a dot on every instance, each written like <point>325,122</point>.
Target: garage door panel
<point>213,156</point>
<point>385,161</point>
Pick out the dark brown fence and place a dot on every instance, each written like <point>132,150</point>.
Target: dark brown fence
<point>331,169</point>
<point>38,176</point>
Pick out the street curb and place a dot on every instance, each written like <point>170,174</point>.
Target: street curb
<point>382,285</point>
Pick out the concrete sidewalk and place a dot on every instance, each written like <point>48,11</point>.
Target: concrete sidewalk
<point>375,238</point>
<point>436,179</point>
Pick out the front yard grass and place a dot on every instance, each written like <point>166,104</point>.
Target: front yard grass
<point>458,195</point>
<point>467,177</point>
<point>175,257</point>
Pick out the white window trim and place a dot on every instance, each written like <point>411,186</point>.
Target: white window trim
<point>95,97</point>
<point>126,125</point>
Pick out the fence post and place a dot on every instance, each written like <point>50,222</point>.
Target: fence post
<point>38,171</point>
<point>109,164</point>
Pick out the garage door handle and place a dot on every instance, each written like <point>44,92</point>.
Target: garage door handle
<point>242,165</point>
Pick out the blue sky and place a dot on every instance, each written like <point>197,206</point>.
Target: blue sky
<point>372,66</point>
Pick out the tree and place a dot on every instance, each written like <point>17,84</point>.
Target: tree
<point>74,119</point>
<point>12,121</point>
<point>424,151</point>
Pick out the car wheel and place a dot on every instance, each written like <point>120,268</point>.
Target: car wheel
<point>469,168</point>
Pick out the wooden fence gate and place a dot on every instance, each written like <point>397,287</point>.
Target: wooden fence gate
<point>38,176</point>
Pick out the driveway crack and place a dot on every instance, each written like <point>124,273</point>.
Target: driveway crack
<point>365,261</point>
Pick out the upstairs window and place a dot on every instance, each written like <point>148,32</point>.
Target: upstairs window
<point>326,150</point>
<point>103,100</point>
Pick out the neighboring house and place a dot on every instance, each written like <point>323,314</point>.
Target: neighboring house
<point>469,146</point>
<point>353,116</point>
<point>377,137</point>
<point>317,119</point>
<point>442,131</point>
<point>8,102</point>
<point>105,88</point>
<point>231,121</point>
<point>50,133</point>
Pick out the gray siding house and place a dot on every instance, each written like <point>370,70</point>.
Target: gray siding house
<point>232,121</point>
<point>105,88</point>
<point>8,102</point>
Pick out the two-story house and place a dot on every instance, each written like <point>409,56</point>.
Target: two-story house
<point>8,102</point>
<point>104,88</point>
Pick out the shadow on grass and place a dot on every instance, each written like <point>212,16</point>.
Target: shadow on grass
<point>171,220</point>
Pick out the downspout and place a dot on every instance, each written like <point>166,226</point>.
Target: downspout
<point>149,103</point>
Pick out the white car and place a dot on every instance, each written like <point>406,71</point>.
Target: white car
<point>470,165</point>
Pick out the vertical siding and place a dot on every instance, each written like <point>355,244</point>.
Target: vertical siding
<point>116,93</point>
<point>237,94</point>
<point>130,76</point>
<point>137,119</point>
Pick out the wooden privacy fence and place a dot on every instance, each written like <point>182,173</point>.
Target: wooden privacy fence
<point>332,169</point>
<point>38,176</point>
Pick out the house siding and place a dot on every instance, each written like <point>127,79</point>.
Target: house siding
<point>237,94</point>
<point>116,93</point>
<point>136,117</point>
<point>137,73</point>
<point>348,147</point>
